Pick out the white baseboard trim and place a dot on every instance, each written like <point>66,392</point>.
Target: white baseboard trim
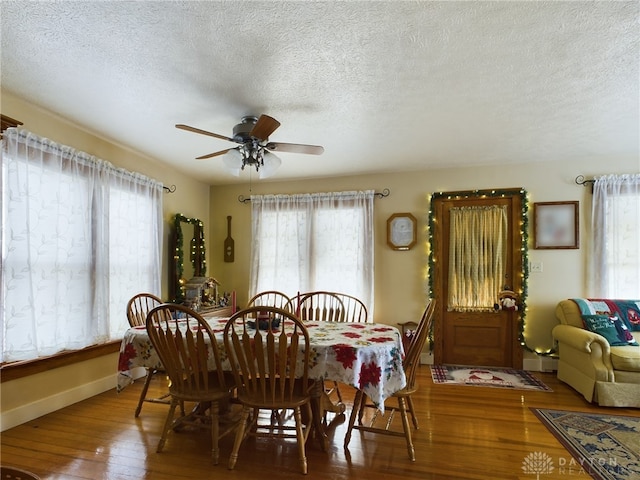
<point>540,364</point>
<point>25,413</point>
<point>549,364</point>
<point>426,358</point>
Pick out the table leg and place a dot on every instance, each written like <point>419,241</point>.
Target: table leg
<point>326,405</point>
<point>321,403</point>
<point>316,409</point>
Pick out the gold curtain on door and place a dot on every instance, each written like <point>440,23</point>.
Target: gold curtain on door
<point>477,257</point>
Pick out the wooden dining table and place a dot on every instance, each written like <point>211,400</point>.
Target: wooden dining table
<point>367,356</point>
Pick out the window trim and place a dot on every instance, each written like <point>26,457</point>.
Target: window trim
<point>21,369</point>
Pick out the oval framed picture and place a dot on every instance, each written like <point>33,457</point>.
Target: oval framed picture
<point>401,231</point>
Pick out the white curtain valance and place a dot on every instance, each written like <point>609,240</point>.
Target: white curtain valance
<point>26,141</point>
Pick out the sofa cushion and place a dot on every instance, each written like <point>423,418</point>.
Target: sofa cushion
<point>611,328</point>
<point>626,358</point>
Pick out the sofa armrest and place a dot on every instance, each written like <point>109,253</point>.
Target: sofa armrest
<point>581,339</point>
<point>585,351</point>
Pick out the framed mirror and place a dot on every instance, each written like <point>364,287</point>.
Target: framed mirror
<point>189,253</point>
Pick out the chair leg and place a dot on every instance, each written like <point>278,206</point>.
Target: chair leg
<point>357,401</point>
<point>214,412</point>
<point>338,392</point>
<point>310,425</point>
<point>233,458</point>
<point>300,434</point>
<point>145,387</point>
<point>167,424</point>
<point>361,408</point>
<point>407,428</point>
<point>413,413</point>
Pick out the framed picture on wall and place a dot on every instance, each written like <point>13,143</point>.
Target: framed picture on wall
<point>401,231</point>
<point>555,225</point>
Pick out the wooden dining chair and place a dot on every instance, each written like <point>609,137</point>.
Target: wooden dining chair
<point>137,310</point>
<point>271,298</point>
<point>353,309</point>
<point>139,307</point>
<point>270,361</point>
<point>318,305</point>
<point>191,357</point>
<point>410,364</point>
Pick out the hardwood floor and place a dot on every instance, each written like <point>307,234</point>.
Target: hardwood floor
<point>465,433</point>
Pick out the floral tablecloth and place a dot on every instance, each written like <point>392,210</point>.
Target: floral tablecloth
<point>367,356</point>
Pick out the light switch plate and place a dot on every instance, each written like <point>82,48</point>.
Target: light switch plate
<point>535,267</point>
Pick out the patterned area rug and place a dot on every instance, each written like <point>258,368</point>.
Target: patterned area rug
<point>487,377</point>
<point>607,447</point>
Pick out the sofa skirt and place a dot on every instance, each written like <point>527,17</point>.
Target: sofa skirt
<point>611,394</point>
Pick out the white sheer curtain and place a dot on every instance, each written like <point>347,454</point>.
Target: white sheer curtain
<point>320,241</point>
<point>615,237</point>
<point>79,238</point>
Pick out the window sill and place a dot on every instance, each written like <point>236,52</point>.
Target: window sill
<point>13,371</point>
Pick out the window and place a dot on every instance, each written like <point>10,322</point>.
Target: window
<point>311,242</point>
<point>615,245</point>
<point>79,238</point>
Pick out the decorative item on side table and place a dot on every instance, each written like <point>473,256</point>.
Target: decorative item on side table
<point>401,231</point>
<point>556,225</point>
<point>210,292</point>
<point>408,330</point>
<point>194,292</point>
<point>201,295</point>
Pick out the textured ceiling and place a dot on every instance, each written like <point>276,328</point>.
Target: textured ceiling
<point>383,86</point>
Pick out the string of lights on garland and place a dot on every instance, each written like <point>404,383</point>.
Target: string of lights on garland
<point>524,235</point>
<point>196,250</point>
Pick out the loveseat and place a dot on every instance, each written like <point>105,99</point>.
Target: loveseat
<point>602,373</point>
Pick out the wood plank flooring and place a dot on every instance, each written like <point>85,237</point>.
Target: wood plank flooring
<point>465,433</point>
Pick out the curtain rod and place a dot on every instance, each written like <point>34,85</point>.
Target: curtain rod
<point>385,193</point>
<point>170,189</point>
<point>580,180</point>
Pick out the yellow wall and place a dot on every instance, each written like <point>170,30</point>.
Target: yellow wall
<point>400,277</point>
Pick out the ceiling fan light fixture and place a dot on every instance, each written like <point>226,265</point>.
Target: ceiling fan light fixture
<point>233,161</point>
<point>270,163</point>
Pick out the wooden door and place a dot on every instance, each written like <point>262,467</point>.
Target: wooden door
<point>477,338</point>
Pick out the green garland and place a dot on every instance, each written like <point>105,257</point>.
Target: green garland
<point>197,240</point>
<point>524,233</point>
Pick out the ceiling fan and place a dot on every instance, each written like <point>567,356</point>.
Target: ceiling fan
<point>252,135</point>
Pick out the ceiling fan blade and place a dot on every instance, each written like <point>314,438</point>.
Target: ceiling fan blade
<point>264,127</point>
<point>215,154</point>
<point>295,148</point>
<point>203,132</point>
